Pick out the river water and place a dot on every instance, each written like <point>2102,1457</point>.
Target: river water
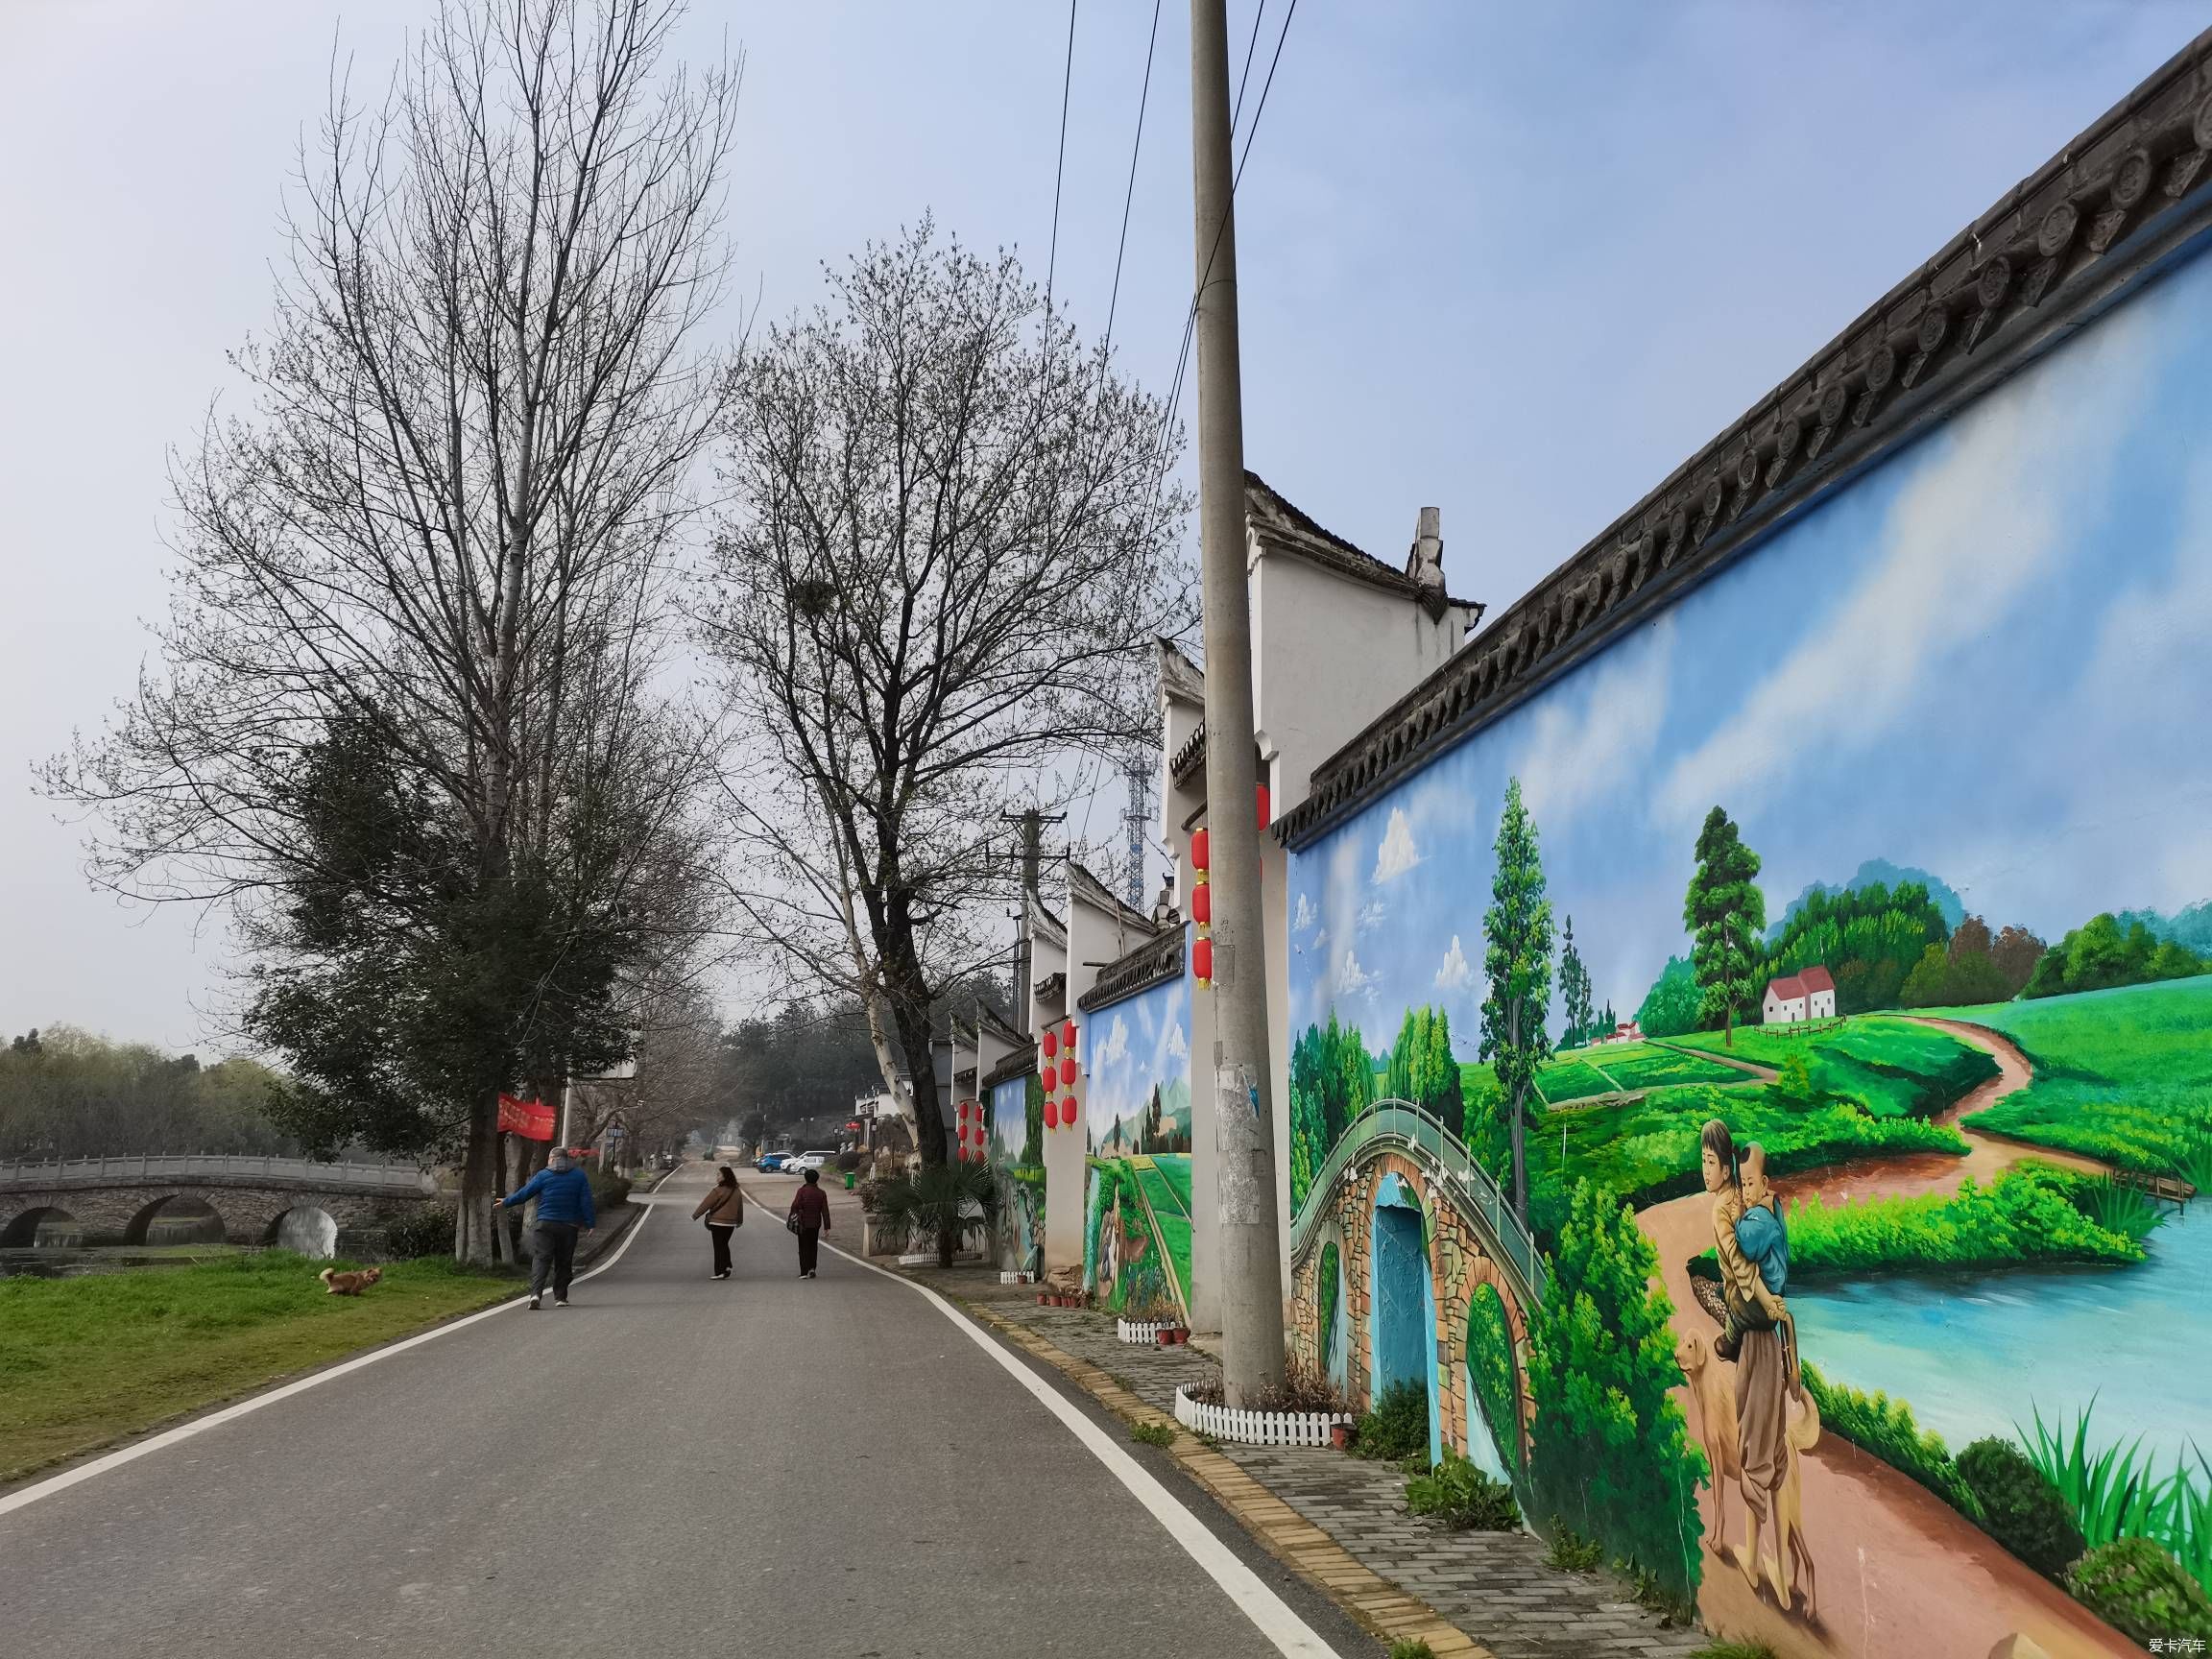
<point>1978,1355</point>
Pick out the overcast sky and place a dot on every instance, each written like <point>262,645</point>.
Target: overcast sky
<point>1513,262</point>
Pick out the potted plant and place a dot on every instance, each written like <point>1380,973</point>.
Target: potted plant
<point>941,1203</point>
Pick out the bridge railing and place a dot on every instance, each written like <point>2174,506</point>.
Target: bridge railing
<point>1403,1124</point>
<point>101,1171</point>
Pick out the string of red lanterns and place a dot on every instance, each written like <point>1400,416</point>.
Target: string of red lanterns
<point>1060,1110</point>
<point>1202,897</point>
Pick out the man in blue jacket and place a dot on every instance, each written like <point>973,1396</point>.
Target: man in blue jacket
<point>564,1208</point>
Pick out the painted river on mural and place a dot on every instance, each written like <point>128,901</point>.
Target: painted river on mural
<point>1975,1358</point>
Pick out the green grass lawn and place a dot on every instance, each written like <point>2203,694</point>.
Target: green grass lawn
<point>1605,1069</point>
<point>1175,1168</point>
<point>1892,1067</point>
<point>87,1361</point>
<point>2125,1075</point>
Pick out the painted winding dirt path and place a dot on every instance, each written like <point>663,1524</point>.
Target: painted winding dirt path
<point>1900,1573</point>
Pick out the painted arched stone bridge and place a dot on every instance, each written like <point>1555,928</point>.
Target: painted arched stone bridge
<point>253,1200</point>
<point>1409,1264</point>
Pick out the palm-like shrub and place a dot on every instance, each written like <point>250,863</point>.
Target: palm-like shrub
<point>940,1204</point>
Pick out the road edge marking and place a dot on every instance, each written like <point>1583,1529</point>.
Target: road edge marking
<point>1268,1612</point>
<point>26,1496</point>
<point>1380,1606</point>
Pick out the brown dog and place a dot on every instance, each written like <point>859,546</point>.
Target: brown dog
<point>1716,1397</point>
<point>349,1284</point>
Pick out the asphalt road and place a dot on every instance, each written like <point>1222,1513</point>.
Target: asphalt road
<point>671,1465</point>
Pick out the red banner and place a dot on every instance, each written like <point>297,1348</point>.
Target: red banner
<point>532,1119</point>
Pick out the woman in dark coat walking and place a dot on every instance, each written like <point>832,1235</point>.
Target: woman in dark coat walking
<point>809,1218</point>
<point>724,1208</point>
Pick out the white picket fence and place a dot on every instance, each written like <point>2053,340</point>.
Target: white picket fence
<point>1257,1428</point>
<point>1144,1332</point>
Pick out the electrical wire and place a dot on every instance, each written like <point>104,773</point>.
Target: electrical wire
<point>1059,167</point>
<point>1129,195</point>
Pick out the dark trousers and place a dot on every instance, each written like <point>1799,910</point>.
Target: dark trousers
<point>552,1252</point>
<point>721,1246</point>
<point>809,1243</point>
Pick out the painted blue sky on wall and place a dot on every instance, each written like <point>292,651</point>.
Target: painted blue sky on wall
<point>1986,659</point>
<point>1133,1045</point>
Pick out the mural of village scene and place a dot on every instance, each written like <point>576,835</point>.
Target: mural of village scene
<point>1017,1153</point>
<point>1824,971</point>
<point>1136,1223</point>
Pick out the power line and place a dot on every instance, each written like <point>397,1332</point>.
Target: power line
<point>1129,195</point>
<point>1059,167</point>
<point>1191,318</point>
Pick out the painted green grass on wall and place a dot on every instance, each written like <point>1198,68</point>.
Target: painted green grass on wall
<point>2024,1216</point>
<point>2123,1076</point>
<point>1647,1149</point>
<point>1893,1067</point>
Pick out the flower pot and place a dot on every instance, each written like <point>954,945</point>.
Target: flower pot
<point>1166,1338</point>
<point>1340,1435</point>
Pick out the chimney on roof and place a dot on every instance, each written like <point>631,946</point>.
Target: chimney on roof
<point>1425,564</point>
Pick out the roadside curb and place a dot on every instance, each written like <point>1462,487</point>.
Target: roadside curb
<point>1379,1605</point>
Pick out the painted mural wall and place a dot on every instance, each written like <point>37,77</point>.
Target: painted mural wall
<point>1827,970</point>
<point>1136,1116</point>
<point>1018,1157</point>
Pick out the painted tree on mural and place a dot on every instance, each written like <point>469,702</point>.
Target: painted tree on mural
<point>1726,913</point>
<point>1517,961</point>
<point>1870,937</point>
<point>1332,1082</point>
<point>1575,991</point>
<point>1422,1067</point>
<point>1033,1128</point>
<point>1612,1456</point>
<point>1670,1008</point>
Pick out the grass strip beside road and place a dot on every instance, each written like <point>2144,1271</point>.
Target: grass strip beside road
<point>90,1361</point>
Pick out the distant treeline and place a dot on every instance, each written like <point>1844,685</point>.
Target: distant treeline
<point>67,1093</point>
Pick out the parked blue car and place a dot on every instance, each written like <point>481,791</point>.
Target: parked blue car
<point>769,1162</point>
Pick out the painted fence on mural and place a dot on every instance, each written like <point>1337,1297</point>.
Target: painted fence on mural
<point>1137,1116</point>
<point>1860,1322</point>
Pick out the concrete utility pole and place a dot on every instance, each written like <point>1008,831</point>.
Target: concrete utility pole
<point>1243,1116</point>
<point>1032,822</point>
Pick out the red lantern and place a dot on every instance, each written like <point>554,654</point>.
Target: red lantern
<point>1051,1113</point>
<point>1198,849</point>
<point>1051,1045</point>
<point>1202,903</point>
<point>1067,1036</point>
<point>1262,806</point>
<point>1067,1072</point>
<point>1202,961</point>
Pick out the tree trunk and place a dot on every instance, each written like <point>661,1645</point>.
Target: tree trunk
<point>472,1230</point>
<point>948,1241</point>
<point>909,999</point>
<point>1521,1154</point>
<point>1728,1026</point>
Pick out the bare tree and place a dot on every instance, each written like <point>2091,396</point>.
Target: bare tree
<point>446,530</point>
<point>949,550</point>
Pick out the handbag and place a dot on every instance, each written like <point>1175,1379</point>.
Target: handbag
<point>791,1222</point>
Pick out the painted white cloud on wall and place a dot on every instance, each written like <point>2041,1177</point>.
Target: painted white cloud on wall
<point>1352,980</point>
<point>1455,975</point>
<point>1304,916</point>
<point>1116,1048</point>
<point>1178,1045</point>
<point>1577,756</point>
<point>1965,541</point>
<point>1371,915</point>
<point>1398,853</point>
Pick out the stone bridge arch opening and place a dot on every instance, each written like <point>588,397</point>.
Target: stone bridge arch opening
<point>1402,1339</point>
<point>177,1219</point>
<point>306,1228</point>
<point>43,1227</point>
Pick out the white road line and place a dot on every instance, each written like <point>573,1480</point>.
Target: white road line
<point>63,1481</point>
<point>1274,1617</point>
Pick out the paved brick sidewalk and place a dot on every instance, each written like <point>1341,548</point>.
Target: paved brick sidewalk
<point>1495,1586</point>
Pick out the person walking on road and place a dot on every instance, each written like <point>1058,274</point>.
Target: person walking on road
<point>809,1218</point>
<point>724,1208</point>
<point>565,1209</point>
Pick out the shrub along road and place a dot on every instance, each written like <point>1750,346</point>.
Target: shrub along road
<point>671,1464</point>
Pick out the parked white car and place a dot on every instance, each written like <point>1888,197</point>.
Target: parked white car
<point>807,1160</point>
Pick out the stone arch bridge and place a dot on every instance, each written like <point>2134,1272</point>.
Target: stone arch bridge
<point>308,1205</point>
<point>1407,1264</point>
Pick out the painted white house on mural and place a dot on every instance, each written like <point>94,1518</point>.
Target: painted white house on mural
<point>1793,998</point>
